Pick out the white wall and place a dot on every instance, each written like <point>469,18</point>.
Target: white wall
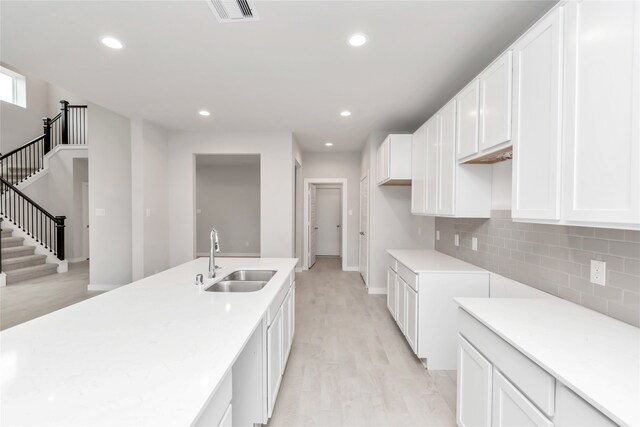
<point>391,224</point>
<point>21,125</point>
<point>276,187</point>
<point>228,198</point>
<point>501,185</point>
<point>150,199</point>
<point>109,189</point>
<point>332,165</point>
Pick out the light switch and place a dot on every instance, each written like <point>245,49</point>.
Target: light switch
<point>437,234</point>
<point>350,212</point>
<point>456,240</point>
<point>198,211</point>
<point>148,212</point>
<point>598,272</point>
<point>101,212</point>
<point>474,243</point>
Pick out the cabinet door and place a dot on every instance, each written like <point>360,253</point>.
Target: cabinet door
<point>447,160</point>
<point>601,131</point>
<point>274,360</point>
<point>418,171</point>
<point>431,186</point>
<point>537,76</point>
<point>468,103</point>
<point>511,408</point>
<point>401,311</point>
<point>384,157</point>
<point>495,103</point>
<point>573,411</point>
<point>286,329</point>
<point>411,327</point>
<point>474,387</point>
<point>391,292</point>
<point>293,311</point>
<point>227,418</point>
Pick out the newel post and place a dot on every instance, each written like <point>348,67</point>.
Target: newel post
<point>46,127</point>
<point>60,237</point>
<point>64,121</point>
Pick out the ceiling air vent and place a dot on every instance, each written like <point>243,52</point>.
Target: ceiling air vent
<point>233,10</point>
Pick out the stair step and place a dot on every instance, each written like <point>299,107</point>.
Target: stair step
<point>9,242</point>
<point>15,276</point>
<point>7,232</point>
<point>23,261</point>
<point>17,251</point>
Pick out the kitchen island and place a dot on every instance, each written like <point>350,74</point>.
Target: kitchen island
<point>154,352</point>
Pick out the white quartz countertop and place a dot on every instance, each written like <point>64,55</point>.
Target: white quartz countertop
<point>148,353</point>
<point>431,261</point>
<point>596,356</point>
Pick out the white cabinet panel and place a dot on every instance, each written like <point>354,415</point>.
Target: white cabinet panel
<point>227,418</point>
<point>495,103</point>
<point>431,144</point>
<point>537,77</point>
<point>575,412</point>
<point>418,171</point>
<point>511,408</point>
<point>392,287</point>
<point>468,103</point>
<point>447,159</point>
<point>287,317</point>
<point>274,360</point>
<point>411,327</point>
<point>474,387</point>
<point>601,135</point>
<point>401,305</point>
<point>394,160</point>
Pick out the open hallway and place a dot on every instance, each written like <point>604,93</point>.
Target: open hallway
<point>350,365</point>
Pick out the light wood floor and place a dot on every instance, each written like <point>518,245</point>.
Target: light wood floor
<point>350,364</point>
<point>33,298</point>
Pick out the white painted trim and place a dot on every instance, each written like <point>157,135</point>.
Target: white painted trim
<point>298,269</point>
<point>63,266</point>
<point>3,280</point>
<point>377,291</point>
<point>352,268</point>
<point>32,179</point>
<point>229,254</point>
<point>305,218</point>
<point>74,260</point>
<point>65,147</point>
<point>104,288</point>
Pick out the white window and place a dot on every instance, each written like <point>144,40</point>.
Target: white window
<point>13,88</point>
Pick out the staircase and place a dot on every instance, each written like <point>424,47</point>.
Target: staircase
<point>42,234</point>
<point>20,262</point>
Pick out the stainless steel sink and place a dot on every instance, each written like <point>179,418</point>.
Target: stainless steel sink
<point>243,281</point>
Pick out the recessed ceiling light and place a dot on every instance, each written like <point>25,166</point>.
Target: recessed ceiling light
<point>357,40</point>
<point>112,43</point>
<point>329,144</point>
<point>345,113</point>
<point>204,113</point>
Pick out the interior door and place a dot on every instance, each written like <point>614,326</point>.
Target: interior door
<point>328,214</point>
<point>85,219</point>
<point>363,264</point>
<point>313,225</point>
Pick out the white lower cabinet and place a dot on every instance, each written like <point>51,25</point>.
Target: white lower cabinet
<point>511,408</point>
<point>411,318</point>
<point>402,308</point>
<point>287,333</point>
<point>392,296</point>
<point>227,418</point>
<point>474,387</point>
<point>274,360</point>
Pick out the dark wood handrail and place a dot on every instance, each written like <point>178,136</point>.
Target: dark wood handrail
<point>22,147</point>
<point>27,198</point>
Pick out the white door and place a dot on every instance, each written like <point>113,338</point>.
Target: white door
<point>601,120</point>
<point>537,77</point>
<point>418,171</point>
<point>495,102</point>
<point>313,225</point>
<point>431,144</point>
<point>391,291</point>
<point>85,220</point>
<point>363,263</point>
<point>328,208</point>
<point>468,103</point>
<point>511,408</point>
<point>447,159</point>
<point>474,387</point>
<point>411,326</point>
<point>274,360</point>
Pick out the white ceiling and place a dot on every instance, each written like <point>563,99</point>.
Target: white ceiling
<point>291,71</point>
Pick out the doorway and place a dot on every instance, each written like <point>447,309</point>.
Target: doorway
<point>363,263</point>
<point>325,220</point>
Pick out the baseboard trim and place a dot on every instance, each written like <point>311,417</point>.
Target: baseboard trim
<point>299,269</point>
<point>351,268</point>
<point>104,288</point>
<point>229,254</point>
<point>74,260</point>
<point>3,279</point>
<point>377,291</point>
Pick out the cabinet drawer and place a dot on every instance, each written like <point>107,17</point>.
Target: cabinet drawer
<point>408,276</point>
<point>529,378</point>
<point>393,263</point>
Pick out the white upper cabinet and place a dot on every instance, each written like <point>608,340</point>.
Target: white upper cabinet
<point>418,171</point>
<point>447,159</point>
<point>537,77</point>
<point>495,103</point>
<point>468,102</point>
<point>431,188</point>
<point>601,113</point>
<point>394,160</point>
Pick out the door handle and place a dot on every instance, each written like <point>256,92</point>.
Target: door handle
<point>362,233</point>
<point>315,228</point>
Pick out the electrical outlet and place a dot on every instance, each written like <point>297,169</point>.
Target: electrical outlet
<point>598,272</point>
<point>456,240</point>
<point>198,211</point>
<point>474,243</point>
<point>437,234</point>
